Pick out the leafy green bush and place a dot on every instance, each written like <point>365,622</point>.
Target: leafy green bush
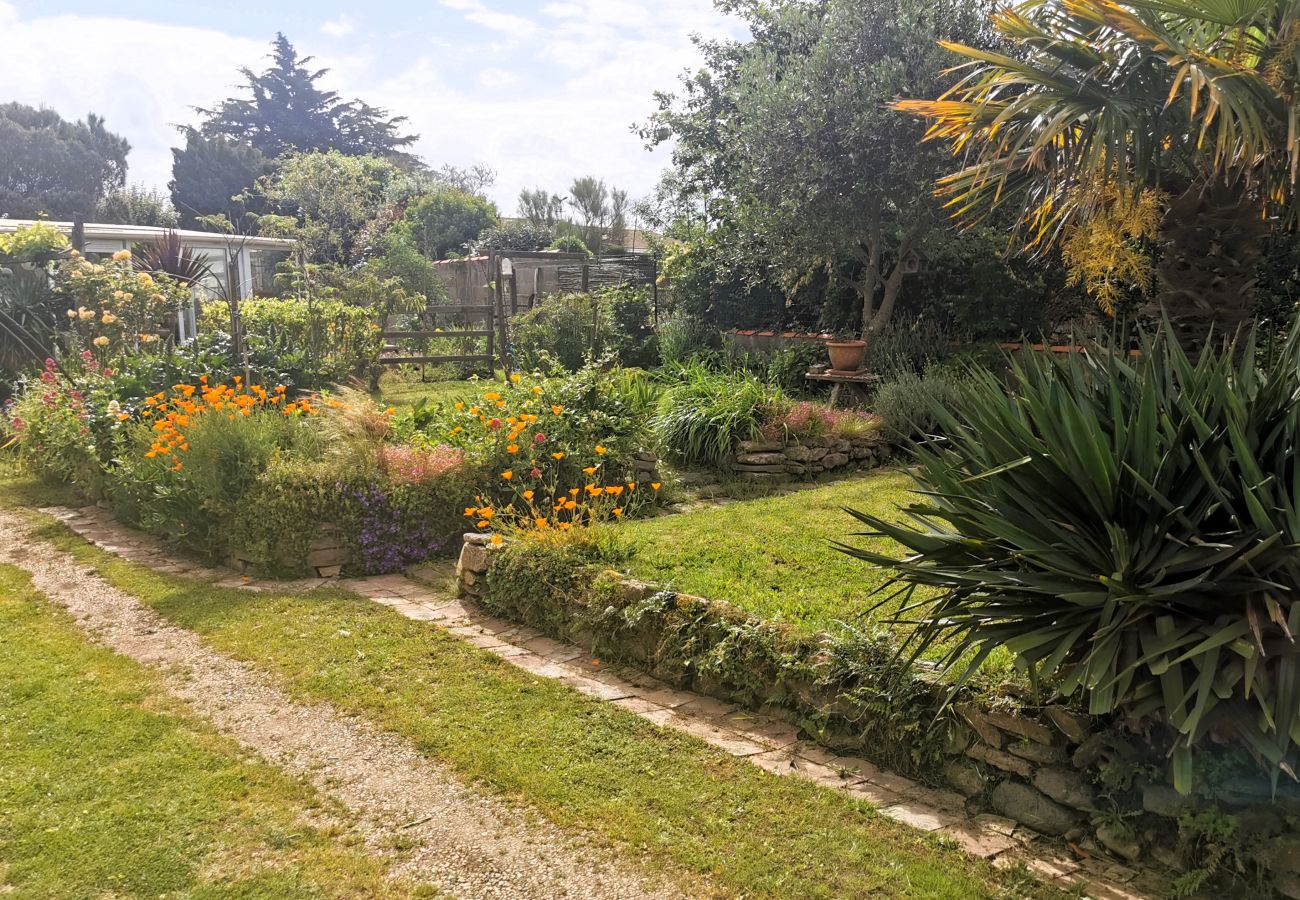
<point>569,244</point>
<point>911,347</point>
<point>704,413</point>
<point>572,329</point>
<point>787,366</point>
<point>909,404</point>
<point>560,329</point>
<point>520,236</point>
<point>625,329</point>
<point>683,338</point>
<point>37,242</point>
<point>1127,528</point>
<point>443,222</point>
<point>313,343</point>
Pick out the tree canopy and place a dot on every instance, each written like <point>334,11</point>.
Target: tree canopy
<point>443,222</point>
<point>1101,115</point>
<point>329,198</point>
<point>212,176</point>
<point>56,168</point>
<point>286,110</point>
<point>789,140</point>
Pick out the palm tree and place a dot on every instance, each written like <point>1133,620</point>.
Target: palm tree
<point>1192,99</point>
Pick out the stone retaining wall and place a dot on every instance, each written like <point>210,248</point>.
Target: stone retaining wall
<point>1096,784</point>
<point>808,457</point>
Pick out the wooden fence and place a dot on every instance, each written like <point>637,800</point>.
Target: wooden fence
<point>471,324</point>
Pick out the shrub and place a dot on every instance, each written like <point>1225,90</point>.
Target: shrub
<point>805,420</point>
<point>569,244</point>
<point>312,343</point>
<point>37,242</point>
<point>62,424</point>
<point>1126,527</point>
<point>786,366</point>
<point>908,406</point>
<point>625,328</point>
<point>684,338</point>
<point>443,222</point>
<point>704,414</point>
<point>562,329</point>
<point>911,347</point>
<point>573,328</point>
<point>520,236</point>
<point>554,452</point>
<point>188,464</point>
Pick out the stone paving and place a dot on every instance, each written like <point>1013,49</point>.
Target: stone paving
<point>766,741</point>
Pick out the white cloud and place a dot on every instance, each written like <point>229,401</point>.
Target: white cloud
<point>340,27</point>
<point>478,13</point>
<point>541,112</point>
<point>562,10</point>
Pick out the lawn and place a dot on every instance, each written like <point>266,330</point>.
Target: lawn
<point>685,807</point>
<point>774,557</point>
<point>399,391</point>
<point>107,789</point>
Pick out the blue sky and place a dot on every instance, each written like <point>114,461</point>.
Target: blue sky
<point>542,92</point>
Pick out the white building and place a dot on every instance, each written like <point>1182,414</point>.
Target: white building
<point>251,259</point>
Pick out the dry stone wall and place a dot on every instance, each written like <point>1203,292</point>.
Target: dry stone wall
<point>807,457</point>
<point>1098,784</point>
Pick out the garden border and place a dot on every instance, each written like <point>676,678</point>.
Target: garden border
<point>1054,771</point>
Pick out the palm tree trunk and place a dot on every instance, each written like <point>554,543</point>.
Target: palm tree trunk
<point>1211,236</point>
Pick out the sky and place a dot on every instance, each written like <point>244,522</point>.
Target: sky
<point>542,92</point>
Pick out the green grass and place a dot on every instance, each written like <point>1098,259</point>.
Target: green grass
<point>675,803</point>
<point>773,557</point>
<point>399,391</point>
<point>107,789</point>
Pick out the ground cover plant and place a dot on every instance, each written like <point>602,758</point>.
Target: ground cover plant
<point>580,762</point>
<point>99,774</point>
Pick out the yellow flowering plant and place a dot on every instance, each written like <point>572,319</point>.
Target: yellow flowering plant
<point>554,455</point>
<point>117,309</point>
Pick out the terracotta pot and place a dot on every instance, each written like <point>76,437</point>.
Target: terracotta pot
<point>847,356</point>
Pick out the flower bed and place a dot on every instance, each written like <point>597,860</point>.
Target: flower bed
<point>1050,768</point>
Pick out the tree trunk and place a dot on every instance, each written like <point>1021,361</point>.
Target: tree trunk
<point>1211,237</point>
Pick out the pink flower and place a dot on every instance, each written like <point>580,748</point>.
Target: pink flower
<point>17,424</point>
<point>535,473</point>
<point>538,438</point>
<point>108,373</point>
<point>494,424</point>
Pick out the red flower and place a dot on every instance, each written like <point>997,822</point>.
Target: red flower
<point>538,438</point>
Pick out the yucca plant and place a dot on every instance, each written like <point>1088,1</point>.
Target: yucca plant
<point>1094,102</point>
<point>1129,528</point>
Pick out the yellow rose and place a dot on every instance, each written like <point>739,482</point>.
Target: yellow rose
<point>108,318</point>
<point>85,315</point>
<point>100,341</point>
<point>122,255</point>
<point>144,278</point>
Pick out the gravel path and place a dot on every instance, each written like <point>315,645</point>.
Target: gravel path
<point>469,845</point>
